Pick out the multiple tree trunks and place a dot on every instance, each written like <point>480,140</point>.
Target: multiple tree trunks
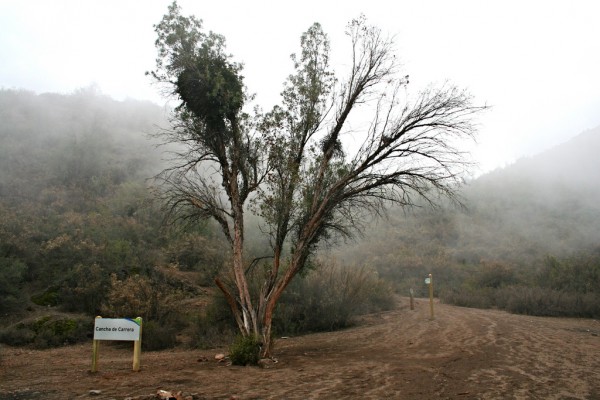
<point>291,161</point>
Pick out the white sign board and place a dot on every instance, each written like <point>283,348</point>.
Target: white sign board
<point>427,281</point>
<point>116,329</point>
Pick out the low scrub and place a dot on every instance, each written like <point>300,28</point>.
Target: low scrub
<point>521,299</point>
<point>245,351</point>
<point>141,296</point>
<point>329,298</point>
<point>48,331</point>
<point>326,299</point>
<point>215,326</point>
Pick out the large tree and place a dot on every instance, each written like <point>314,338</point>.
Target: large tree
<point>308,168</point>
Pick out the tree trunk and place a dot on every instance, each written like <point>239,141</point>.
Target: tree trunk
<point>273,298</point>
<point>267,339</point>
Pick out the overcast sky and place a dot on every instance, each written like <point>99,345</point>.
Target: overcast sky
<point>536,62</point>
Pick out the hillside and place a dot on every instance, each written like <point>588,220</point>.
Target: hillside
<point>462,354</point>
<point>534,224</point>
<point>77,215</point>
<point>82,233</point>
<point>552,200</point>
<point>549,203</point>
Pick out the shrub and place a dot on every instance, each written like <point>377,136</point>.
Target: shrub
<point>158,337</point>
<point>140,296</point>
<point>469,297</point>
<point>48,331</point>
<point>494,275</point>
<point>216,326</point>
<point>48,298</point>
<point>84,289</point>
<point>19,335</point>
<point>551,303</point>
<point>11,279</point>
<point>520,299</point>
<point>245,351</point>
<point>329,298</point>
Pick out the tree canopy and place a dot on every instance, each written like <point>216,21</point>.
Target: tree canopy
<point>294,166</point>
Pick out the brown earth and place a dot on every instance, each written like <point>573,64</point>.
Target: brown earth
<point>462,354</point>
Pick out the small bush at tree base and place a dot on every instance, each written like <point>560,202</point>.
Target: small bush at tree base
<point>245,351</point>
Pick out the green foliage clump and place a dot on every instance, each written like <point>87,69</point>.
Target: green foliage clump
<point>245,350</point>
<point>550,303</point>
<point>141,296</point>
<point>84,289</point>
<point>565,287</point>
<point>48,331</point>
<point>11,279</point>
<point>48,298</point>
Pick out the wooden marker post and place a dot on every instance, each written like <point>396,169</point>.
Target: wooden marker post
<point>430,282</point>
<point>95,349</point>
<point>412,300</point>
<point>137,347</point>
<point>118,329</point>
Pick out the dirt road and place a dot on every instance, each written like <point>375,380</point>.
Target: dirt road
<point>461,354</point>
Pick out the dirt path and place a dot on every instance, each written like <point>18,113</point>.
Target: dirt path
<point>462,354</point>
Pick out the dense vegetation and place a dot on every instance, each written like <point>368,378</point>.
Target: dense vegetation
<point>528,240</point>
<point>81,235</point>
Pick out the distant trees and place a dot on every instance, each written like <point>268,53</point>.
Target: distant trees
<point>294,166</point>
<point>74,206</point>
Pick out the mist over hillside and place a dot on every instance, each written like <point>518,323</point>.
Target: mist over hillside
<point>80,140</point>
<point>82,233</point>
<point>74,198</point>
<point>549,202</point>
<point>533,224</point>
<point>80,229</point>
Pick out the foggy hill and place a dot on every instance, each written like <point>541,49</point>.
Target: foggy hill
<point>80,140</point>
<point>74,203</point>
<point>75,210</point>
<point>516,220</point>
<point>549,202</point>
<point>573,165</point>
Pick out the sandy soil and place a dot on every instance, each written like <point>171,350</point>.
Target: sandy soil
<point>461,354</point>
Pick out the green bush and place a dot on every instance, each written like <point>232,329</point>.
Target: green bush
<point>245,351</point>
<point>140,296</point>
<point>11,279</point>
<point>158,337</point>
<point>551,303</point>
<point>19,335</point>
<point>215,326</point>
<point>329,298</point>
<point>469,297</point>
<point>521,299</point>
<point>48,298</point>
<point>84,289</point>
<point>48,331</point>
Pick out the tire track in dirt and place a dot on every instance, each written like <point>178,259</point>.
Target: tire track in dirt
<point>538,360</point>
